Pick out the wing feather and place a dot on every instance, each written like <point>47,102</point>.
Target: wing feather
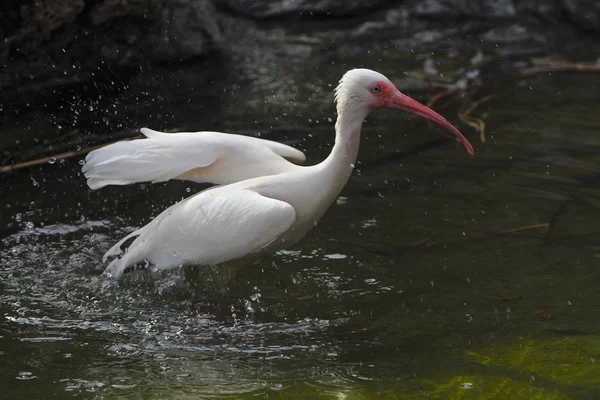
<point>210,228</point>
<point>186,155</point>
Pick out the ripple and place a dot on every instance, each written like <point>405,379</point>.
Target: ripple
<point>44,339</point>
<point>26,376</point>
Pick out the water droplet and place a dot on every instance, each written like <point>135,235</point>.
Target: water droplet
<point>91,108</point>
<point>23,376</point>
<point>188,190</point>
<point>51,160</point>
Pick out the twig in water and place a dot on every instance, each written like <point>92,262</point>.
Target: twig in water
<point>44,160</point>
<point>427,242</point>
<point>421,242</point>
<point>69,154</point>
<point>526,228</point>
<point>435,99</point>
<point>475,122</point>
<point>546,65</point>
<point>438,97</point>
<point>468,106</point>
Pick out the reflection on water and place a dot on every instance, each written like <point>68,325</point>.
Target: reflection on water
<point>434,275</point>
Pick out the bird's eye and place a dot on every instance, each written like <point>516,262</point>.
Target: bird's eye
<point>376,89</point>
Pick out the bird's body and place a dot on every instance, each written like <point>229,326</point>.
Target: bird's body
<point>250,217</point>
<point>240,220</point>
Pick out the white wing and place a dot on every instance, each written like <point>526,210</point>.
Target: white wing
<point>212,227</point>
<point>213,157</point>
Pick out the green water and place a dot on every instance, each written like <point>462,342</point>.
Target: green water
<point>410,287</point>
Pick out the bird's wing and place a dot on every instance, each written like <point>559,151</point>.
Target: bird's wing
<point>210,228</point>
<point>163,156</point>
<point>283,150</point>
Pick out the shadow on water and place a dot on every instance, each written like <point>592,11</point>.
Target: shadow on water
<point>418,282</point>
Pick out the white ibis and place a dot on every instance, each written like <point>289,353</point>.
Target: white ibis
<point>243,220</point>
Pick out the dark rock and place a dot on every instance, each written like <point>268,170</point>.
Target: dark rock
<point>545,11</point>
<point>187,29</point>
<point>46,44</point>
<point>465,8</point>
<point>106,11</point>
<point>277,8</point>
<point>585,13</point>
<point>27,26</point>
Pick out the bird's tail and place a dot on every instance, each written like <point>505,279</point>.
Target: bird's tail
<point>116,249</point>
<point>123,259</point>
<point>117,267</point>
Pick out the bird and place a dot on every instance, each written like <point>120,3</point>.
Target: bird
<point>241,221</point>
<point>202,157</point>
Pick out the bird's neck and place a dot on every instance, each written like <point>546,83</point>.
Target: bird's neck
<point>341,161</point>
<point>327,179</point>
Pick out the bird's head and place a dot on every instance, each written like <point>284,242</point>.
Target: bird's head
<point>370,90</point>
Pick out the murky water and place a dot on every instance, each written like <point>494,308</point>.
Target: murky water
<point>435,274</point>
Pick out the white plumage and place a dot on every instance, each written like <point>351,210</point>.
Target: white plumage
<point>270,204</point>
<point>183,226</point>
<point>189,156</point>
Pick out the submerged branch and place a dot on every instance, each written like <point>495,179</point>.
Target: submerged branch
<point>526,228</point>
<point>546,65</point>
<point>468,105</point>
<point>44,160</point>
<point>427,242</point>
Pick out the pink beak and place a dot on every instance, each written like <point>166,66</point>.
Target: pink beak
<point>405,103</point>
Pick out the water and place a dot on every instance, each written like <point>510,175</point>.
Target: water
<point>434,275</point>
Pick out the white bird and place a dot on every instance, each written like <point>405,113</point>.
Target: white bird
<point>213,157</point>
<point>241,221</point>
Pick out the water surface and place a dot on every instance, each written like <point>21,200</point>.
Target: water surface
<point>434,275</point>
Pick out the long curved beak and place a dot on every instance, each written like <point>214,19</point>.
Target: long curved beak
<point>405,103</point>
